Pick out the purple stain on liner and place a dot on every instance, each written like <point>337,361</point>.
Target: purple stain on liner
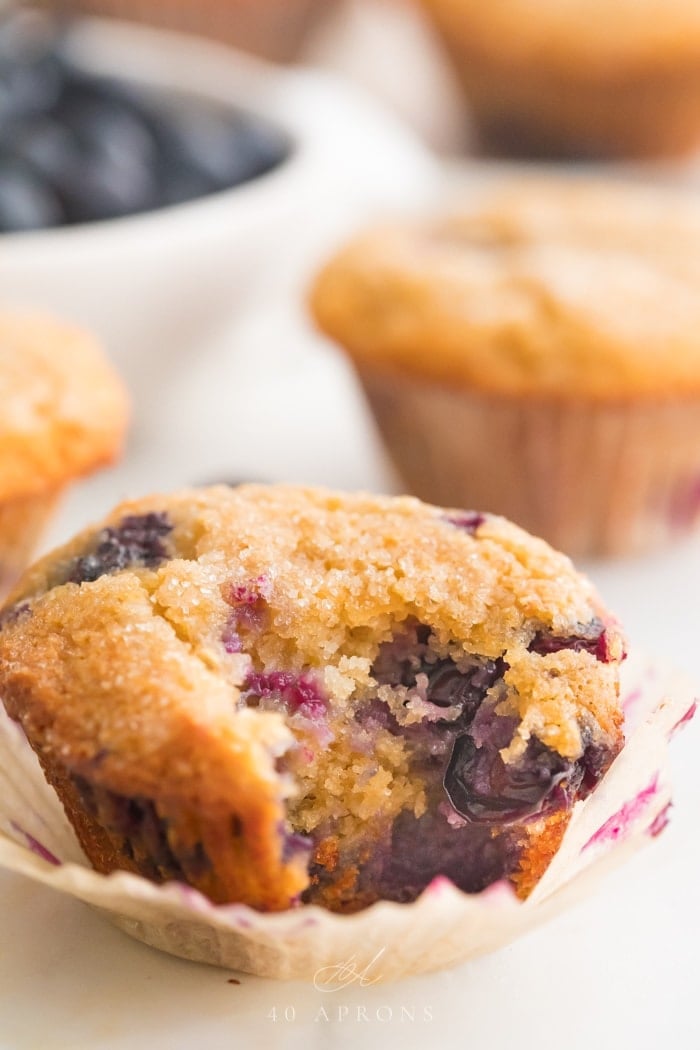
<point>660,821</point>
<point>35,846</point>
<point>684,719</point>
<point>631,699</point>
<point>439,885</point>
<point>193,898</point>
<point>618,825</point>
<point>499,890</point>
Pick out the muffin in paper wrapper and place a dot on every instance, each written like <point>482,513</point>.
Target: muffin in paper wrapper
<point>22,523</point>
<point>591,478</point>
<point>442,928</point>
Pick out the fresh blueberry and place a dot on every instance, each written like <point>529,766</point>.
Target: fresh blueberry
<point>26,201</point>
<point>46,146</point>
<point>76,147</point>
<point>216,149</point>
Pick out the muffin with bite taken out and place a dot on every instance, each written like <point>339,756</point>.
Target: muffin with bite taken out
<point>282,695</point>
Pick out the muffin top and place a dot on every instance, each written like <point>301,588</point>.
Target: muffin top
<point>593,37</point>
<point>223,652</point>
<point>537,287</point>
<point>64,410</point>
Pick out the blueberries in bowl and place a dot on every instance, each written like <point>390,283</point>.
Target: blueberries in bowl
<point>76,147</point>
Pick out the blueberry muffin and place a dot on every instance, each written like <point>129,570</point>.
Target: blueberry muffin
<point>608,78</point>
<point>536,354</point>
<point>63,415</point>
<point>283,695</point>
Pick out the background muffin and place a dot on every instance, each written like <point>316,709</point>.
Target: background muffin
<point>537,355</point>
<point>271,28</point>
<point>604,78</point>
<point>277,694</point>
<point>63,415</point>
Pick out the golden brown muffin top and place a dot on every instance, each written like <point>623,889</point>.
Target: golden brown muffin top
<point>336,574</point>
<point>537,287</point>
<point>595,37</point>
<point>64,410</point>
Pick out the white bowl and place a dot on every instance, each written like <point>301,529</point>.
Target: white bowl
<point>156,287</point>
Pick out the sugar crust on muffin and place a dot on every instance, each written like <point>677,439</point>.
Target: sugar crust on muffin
<point>283,694</point>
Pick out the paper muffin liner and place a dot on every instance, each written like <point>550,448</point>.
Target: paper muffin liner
<point>22,522</point>
<point>528,107</point>
<point>275,29</point>
<point>387,940</point>
<point>591,478</point>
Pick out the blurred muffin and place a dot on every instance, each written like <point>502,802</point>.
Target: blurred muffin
<point>614,78</point>
<point>537,355</point>
<point>63,415</point>
<point>323,697</point>
<point>274,29</point>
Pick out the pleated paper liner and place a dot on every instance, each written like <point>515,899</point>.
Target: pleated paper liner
<point>22,523</point>
<point>442,928</point>
<point>590,478</point>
